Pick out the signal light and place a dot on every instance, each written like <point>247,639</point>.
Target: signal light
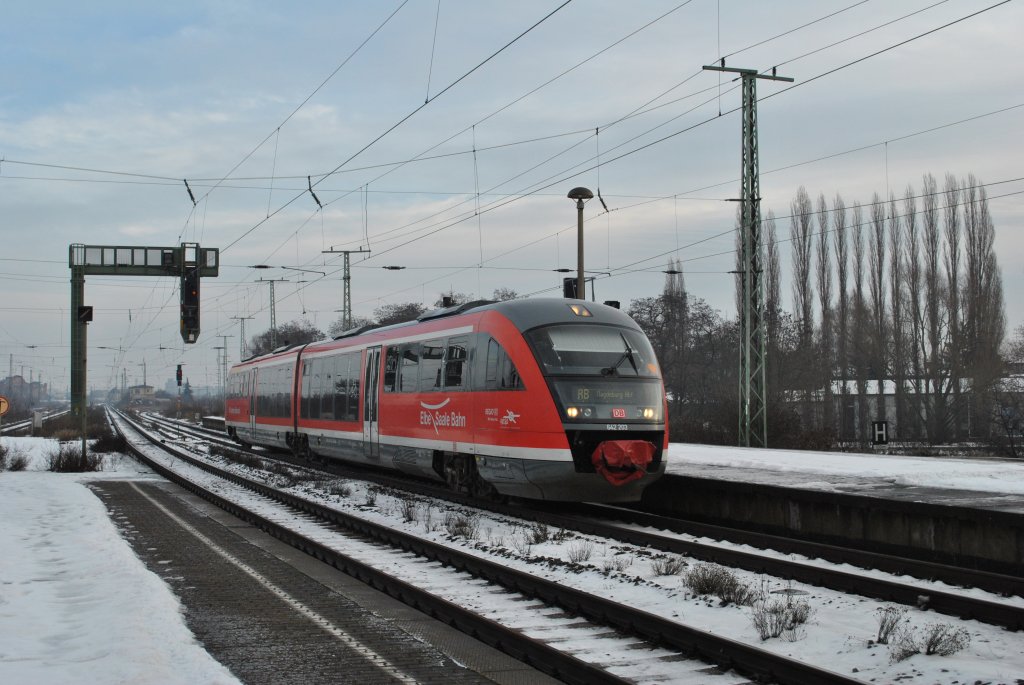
<point>178,375</point>
<point>190,304</point>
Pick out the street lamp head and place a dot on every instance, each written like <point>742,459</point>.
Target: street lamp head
<point>580,193</point>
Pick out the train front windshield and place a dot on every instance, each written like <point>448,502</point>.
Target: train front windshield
<point>600,373</point>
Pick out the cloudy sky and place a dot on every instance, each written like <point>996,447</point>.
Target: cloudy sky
<point>443,136</point>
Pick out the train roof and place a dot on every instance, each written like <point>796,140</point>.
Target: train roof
<point>524,314</point>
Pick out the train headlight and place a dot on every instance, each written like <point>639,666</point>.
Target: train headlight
<point>572,412</point>
<point>648,413</point>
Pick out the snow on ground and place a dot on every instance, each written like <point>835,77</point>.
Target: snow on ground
<point>76,604</point>
<point>981,475</point>
<point>839,634</point>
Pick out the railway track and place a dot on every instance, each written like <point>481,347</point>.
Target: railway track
<point>773,555</point>
<point>639,642</point>
<point>9,428</point>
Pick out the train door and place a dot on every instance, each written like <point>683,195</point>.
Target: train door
<point>371,396</point>
<point>252,403</point>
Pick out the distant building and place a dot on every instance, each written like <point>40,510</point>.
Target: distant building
<point>22,393</point>
<point>141,394</point>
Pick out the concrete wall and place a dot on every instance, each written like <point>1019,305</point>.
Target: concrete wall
<point>983,539</point>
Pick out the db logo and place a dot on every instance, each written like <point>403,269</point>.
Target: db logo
<point>618,413</point>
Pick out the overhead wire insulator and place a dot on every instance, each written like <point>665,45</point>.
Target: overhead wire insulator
<point>309,180</point>
<point>190,196</point>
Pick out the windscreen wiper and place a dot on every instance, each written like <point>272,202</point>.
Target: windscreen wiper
<point>627,354</point>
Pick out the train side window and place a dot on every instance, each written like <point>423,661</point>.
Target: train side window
<point>354,376</point>
<point>430,366</point>
<point>455,364</point>
<point>340,389</point>
<point>407,375</point>
<point>282,391</point>
<point>391,369</point>
<point>314,393</point>
<point>327,389</point>
<point>501,373</point>
<point>305,381</point>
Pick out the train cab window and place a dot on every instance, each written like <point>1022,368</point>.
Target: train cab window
<point>455,364</point>
<point>591,350</point>
<point>408,371</point>
<point>430,366</point>
<point>500,372</point>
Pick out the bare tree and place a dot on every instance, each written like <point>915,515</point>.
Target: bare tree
<point>935,322</point>
<point>877,290</point>
<point>801,211</point>
<point>292,333</point>
<point>773,304</point>
<point>952,261</point>
<point>899,344</point>
<point>824,274</point>
<point>398,312</point>
<point>915,347</point>
<point>840,246</point>
<point>984,321</point>
<point>860,320</point>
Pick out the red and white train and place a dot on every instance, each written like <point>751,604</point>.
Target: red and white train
<point>546,399</point>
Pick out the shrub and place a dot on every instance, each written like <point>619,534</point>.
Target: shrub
<point>581,551</point>
<point>17,461</point>
<point>889,618</point>
<point>616,562</point>
<point>340,489</point>
<point>667,566</point>
<point>371,496</point>
<point>461,525</point>
<point>945,639</point>
<point>779,617</point>
<point>903,646</point>
<point>68,458</point>
<point>539,533</point>
<point>410,512</point>
<point>712,579</point>
<point>522,544</point>
<point>109,441</point>
<point>12,458</point>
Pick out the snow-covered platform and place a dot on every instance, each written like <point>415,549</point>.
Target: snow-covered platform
<point>960,510</point>
<point>272,614</point>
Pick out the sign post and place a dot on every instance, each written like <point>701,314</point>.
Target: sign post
<point>879,432</point>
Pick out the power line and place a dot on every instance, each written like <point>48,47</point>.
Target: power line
<point>401,121</point>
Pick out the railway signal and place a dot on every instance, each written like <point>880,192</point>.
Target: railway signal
<point>190,305</point>
<point>188,262</point>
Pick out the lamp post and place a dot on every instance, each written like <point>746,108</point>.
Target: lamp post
<point>580,194</point>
